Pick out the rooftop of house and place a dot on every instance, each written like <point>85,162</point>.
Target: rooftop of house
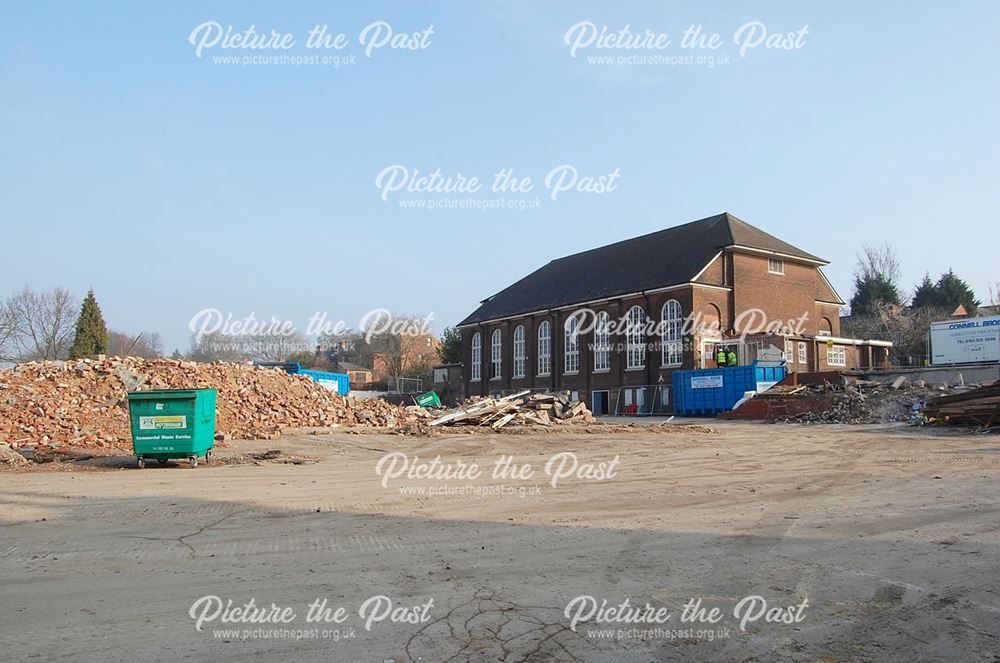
<point>664,258</point>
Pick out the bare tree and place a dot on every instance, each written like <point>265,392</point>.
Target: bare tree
<point>994,294</point>
<point>878,262</point>
<point>258,347</point>
<point>37,325</point>
<point>271,347</point>
<point>7,331</point>
<point>215,347</point>
<point>146,344</point>
<point>876,279</point>
<point>407,351</point>
<point>907,328</point>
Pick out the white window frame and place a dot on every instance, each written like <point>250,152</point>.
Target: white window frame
<point>635,339</point>
<point>519,351</point>
<point>672,348</point>
<point>841,351</point>
<point>789,353</point>
<point>544,348</point>
<point>602,342</point>
<point>496,355</point>
<point>477,356</point>
<point>803,353</point>
<point>776,266</point>
<point>571,346</point>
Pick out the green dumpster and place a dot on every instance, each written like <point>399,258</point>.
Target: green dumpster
<point>172,423</point>
<point>430,399</point>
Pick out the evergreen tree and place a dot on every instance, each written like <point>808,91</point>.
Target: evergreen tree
<point>925,294</point>
<point>948,292</point>
<point>450,349</point>
<point>91,332</point>
<point>876,279</point>
<point>954,292</point>
<point>870,291</point>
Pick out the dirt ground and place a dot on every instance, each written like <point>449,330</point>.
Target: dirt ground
<point>889,533</point>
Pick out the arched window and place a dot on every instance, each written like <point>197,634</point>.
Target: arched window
<point>519,351</point>
<point>544,348</point>
<point>635,338</point>
<point>571,347</point>
<point>477,355</point>
<point>496,348</point>
<point>825,327</point>
<point>602,342</point>
<point>672,324</point>
<point>711,321</point>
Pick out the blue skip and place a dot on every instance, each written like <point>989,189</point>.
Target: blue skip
<point>709,391</point>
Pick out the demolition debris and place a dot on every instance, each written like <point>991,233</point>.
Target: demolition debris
<point>83,403</point>
<point>521,409</point>
<point>847,402</point>
<point>979,406</point>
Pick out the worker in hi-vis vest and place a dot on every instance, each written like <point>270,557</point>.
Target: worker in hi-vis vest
<point>731,358</point>
<point>720,357</point>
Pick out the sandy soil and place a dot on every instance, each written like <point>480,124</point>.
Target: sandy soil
<point>889,533</point>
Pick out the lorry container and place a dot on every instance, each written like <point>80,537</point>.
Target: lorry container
<point>965,341</point>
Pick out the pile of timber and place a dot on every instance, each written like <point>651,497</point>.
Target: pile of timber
<point>977,406</point>
<point>521,409</point>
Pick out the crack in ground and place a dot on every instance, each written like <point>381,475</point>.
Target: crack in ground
<point>183,539</point>
<point>474,641</point>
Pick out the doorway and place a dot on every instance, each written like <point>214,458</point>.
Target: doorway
<point>600,402</point>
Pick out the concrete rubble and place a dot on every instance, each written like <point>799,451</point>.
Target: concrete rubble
<point>82,404</point>
<point>848,402</point>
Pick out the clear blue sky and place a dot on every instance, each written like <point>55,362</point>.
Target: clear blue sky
<point>170,184</point>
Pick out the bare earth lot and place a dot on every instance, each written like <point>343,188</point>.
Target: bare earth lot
<point>890,533</point>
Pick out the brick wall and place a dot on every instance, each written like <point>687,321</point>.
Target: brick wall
<point>782,297</point>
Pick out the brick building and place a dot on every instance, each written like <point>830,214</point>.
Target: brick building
<point>612,324</point>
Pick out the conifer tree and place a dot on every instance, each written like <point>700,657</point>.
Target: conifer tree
<point>91,332</point>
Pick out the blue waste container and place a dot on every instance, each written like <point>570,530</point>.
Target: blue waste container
<point>707,392</point>
<point>339,382</point>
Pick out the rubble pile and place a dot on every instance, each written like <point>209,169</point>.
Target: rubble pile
<point>873,404</point>
<point>521,409</point>
<point>83,403</point>
<point>856,402</point>
<point>978,406</point>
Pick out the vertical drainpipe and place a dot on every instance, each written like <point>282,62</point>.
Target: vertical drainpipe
<point>482,356</point>
<point>508,359</point>
<point>728,278</point>
<point>649,354</point>
<point>467,368</point>
<point>587,365</point>
<point>530,369</point>
<point>555,345</point>
<point>620,355</point>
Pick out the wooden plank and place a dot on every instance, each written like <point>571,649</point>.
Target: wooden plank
<point>468,413</point>
<point>504,420</point>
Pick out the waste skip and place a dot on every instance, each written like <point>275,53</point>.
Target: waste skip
<point>709,391</point>
<point>430,399</point>
<point>338,382</point>
<point>172,423</point>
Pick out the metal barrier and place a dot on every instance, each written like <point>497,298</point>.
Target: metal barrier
<point>643,400</point>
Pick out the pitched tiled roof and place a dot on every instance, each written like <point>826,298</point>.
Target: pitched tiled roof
<point>659,259</point>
